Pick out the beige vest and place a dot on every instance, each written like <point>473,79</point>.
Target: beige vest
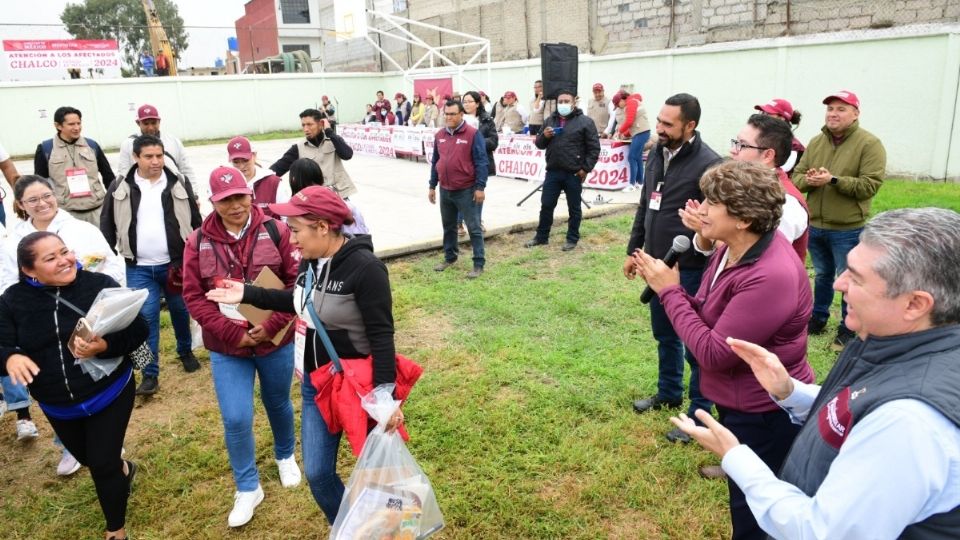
<point>334,175</point>
<point>619,115</point>
<point>431,116</point>
<point>536,117</point>
<point>123,213</point>
<point>640,123</point>
<point>509,115</point>
<point>598,112</point>
<point>80,156</point>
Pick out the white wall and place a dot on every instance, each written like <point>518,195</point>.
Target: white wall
<point>907,83</point>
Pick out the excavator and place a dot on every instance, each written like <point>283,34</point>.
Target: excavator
<point>158,36</point>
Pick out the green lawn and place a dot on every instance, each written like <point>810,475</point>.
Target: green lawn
<point>522,420</point>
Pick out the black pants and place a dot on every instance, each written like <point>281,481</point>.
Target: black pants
<point>96,441</point>
<point>769,435</point>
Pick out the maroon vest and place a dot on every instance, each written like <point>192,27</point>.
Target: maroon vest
<point>455,168</point>
<point>800,244</point>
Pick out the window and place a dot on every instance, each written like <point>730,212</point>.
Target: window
<point>291,48</point>
<point>295,11</point>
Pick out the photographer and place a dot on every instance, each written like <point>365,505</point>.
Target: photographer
<point>325,147</point>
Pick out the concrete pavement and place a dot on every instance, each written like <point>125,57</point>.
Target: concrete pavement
<point>393,198</point>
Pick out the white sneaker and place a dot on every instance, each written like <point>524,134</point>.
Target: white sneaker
<point>629,188</point>
<point>244,503</point>
<point>68,464</point>
<point>3,406</point>
<point>26,429</point>
<point>289,472</point>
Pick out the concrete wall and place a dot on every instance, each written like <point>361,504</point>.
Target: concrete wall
<point>907,83</point>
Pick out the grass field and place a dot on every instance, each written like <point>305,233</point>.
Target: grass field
<point>522,420</point>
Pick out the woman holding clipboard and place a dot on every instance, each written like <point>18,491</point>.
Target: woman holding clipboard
<point>237,242</point>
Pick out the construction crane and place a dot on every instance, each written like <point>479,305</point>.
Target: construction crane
<point>158,36</point>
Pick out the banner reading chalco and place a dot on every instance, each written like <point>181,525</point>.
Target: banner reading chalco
<point>52,59</point>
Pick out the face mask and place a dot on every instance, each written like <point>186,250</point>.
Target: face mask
<point>564,109</point>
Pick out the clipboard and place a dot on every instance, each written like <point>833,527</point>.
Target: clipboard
<point>267,280</point>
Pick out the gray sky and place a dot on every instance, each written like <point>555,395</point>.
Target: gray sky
<point>206,44</point>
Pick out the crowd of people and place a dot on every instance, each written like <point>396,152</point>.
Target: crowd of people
<point>885,421</point>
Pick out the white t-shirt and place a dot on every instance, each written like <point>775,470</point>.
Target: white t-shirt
<point>3,154</point>
<point>151,226</point>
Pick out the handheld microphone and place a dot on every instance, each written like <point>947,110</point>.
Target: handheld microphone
<point>680,244</point>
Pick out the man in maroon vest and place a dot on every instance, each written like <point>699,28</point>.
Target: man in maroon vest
<point>459,165</point>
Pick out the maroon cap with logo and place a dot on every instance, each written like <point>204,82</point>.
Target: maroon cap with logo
<point>148,112</point>
<point>777,107</point>
<point>597,86</point>
<point>845,96</point>
<point>239,148</point>
<point>227,181</point>
<point>319,201</point>
<point>510,94</point>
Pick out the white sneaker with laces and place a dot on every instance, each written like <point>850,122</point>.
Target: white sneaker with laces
<point>68,464</point>
<point>244,503</point>
<point>629,188</point>
<point>289,472</point>
<point>26,429</point>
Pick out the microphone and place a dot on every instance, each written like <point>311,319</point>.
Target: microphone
<point>680,244</point>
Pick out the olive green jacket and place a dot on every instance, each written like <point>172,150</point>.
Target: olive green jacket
<point>859,163</point>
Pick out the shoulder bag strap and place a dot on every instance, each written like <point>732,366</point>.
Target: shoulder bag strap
<point>67,303</point>
<point>309,281</point>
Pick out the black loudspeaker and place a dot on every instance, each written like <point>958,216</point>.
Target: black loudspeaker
<point>558,68</point>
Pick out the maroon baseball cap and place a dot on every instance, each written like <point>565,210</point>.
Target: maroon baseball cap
<point>325,98</point>
<point>319,201</point>
<point>777,107</point>
<point>597,86</point>
<point>148,112</point>
<point>398,95</point>
<point>845,96</point>
<point>227,181</point>
<point>510,94</point>
<point>617,98</point>
<point>239,148</point>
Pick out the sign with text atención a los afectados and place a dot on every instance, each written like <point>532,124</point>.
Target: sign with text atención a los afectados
<point>52,59</point>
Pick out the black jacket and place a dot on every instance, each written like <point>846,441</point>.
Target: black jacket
<point>37,325</point>
<point>175,243</point>
<point>577,147</point>
<point>654,230</point>
<point>358,280</point>
<point>488,129</point>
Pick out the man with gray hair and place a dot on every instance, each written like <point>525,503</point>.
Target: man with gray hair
<point>879,453</point>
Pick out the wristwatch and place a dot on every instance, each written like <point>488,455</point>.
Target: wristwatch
<point>834,180</point>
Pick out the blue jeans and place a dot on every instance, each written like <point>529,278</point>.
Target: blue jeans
<point>233,381</point>
<point>554,183</point>
<point>154,280</point>
<point>671,352</point>
<point>451,203</point>
<point>828,252</point>
<point>319,454</point>
<point>16,395</point>
<point>635,157</point>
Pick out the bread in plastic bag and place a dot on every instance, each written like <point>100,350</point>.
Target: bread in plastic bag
<point>387,497</point>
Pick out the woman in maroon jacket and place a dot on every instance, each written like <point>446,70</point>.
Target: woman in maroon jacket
<point>754,288</point>
<point>236,242</point>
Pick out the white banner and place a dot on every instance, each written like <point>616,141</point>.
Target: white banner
<point>50,59</point>
<point>516,156</point>
<point>369,140</point>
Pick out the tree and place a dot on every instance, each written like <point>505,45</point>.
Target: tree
<point>124,21</point>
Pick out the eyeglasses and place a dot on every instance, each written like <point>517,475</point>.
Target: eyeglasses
<point>739,145</point>
<point>33,201</point>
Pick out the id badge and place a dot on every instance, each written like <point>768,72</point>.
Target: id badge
<point>78,183</point>
<point>655,200</point>
<point>299,346</point>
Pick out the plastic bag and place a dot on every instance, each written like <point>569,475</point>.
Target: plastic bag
<point>387,497</point>
<point>113,310</point>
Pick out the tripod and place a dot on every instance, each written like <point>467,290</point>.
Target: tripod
<point>540,187</point>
